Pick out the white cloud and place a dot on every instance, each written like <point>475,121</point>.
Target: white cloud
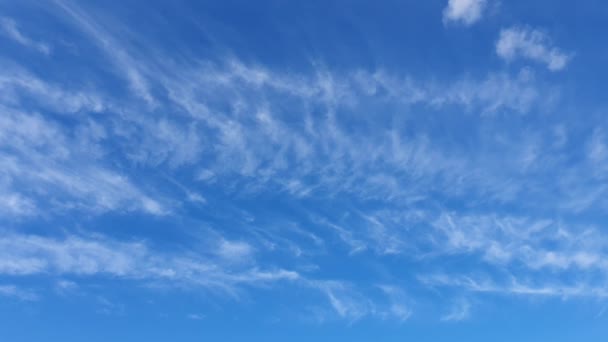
<point>466,12</point>
<point>128,67</point>
<point>346,302</point>
<point>235,251</point>
<point>196,317</point>
<point>512,286</point>
<point>10,29</point>
<point>14,204</point>
<point>269,152</point>
<point>460,311</point>
<point>19,88</point>
<point>39,155</point>
<point>521,241</point>
<point>22,255</point>
<point>257,146</point>
<point>524,42</point>
<point>246,131</point>
<point>352,304</point>
<point>272,154</point>
<point>64,287</point>
<point>16,292</point>
<point>398,307</point>
<point>109,307</point>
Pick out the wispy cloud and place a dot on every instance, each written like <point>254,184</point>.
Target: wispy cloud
<point>65,287</point>
<point>196,317</point>
<point>11,30</point>
<point>519,240</point>
<point>522,42</point>
<point>18,293</point>
<point>300,170</point>
<point>127,66</point>
<point>399,305</point>
<point>73,255</point>
<point>26,255</point>
<point>15,205</point>
<point>512,286</point>
<point>235,251</point>
<point>266,151</point>
<point>345,301</point>
<point>459,312</point>
<point>353,305</point>
<point>38,153</point>
<point>20,88</point>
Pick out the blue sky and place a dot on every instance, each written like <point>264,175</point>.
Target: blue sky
<point>320,170</point>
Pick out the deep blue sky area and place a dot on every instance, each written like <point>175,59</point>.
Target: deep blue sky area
<point>303,171</point>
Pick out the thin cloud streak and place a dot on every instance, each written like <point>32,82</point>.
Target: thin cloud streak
<point>10,29</point>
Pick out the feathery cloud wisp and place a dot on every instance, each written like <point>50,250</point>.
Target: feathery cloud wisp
<point>460,311</point>
<point>10,29</point>
<point>526,43</point>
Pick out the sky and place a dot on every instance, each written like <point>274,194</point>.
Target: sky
<point>322,170</point>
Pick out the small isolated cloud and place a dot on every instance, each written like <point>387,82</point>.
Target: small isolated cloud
<point>526,43</point>
<point>64,287</point>
<point>10,29</point>
<point>196,317</point>
<point>459,312</point>
<point>466,12</point>
<point>235,251</point>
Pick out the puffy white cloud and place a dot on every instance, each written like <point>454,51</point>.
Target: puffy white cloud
<point>466,12</point>
<point>527,43</point>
